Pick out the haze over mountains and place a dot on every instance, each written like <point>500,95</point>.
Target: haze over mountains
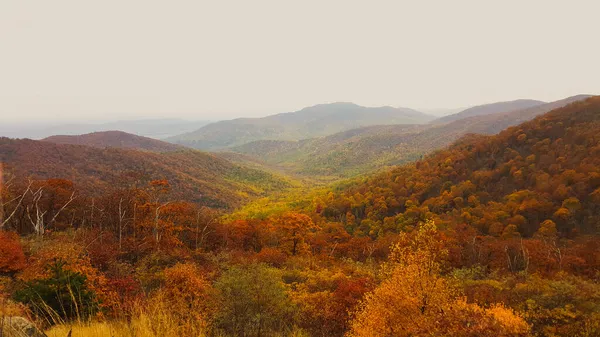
<point>488,109</point>
<point>324,142</point>
<point>316,121</point>
<point>327,141</point>
<point>364,149</point>
<point>153,128</point>
<point>490,196</point>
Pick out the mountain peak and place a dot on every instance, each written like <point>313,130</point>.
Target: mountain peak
<point>315,121</point>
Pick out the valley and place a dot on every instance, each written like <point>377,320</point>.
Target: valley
<point>299,168</point>
<point>497,219</point>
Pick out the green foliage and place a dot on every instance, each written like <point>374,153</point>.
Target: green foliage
<point>62,296</point>
<point>260,181</point>
<point>253,302</point>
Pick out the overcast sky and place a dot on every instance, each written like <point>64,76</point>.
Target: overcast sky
<point>100,60</point>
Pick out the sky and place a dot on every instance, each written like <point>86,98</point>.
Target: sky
<point>74,61</point>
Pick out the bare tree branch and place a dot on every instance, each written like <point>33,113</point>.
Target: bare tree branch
<point>16,207</point>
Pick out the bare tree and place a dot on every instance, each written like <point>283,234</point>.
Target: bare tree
<point>38,222</point>
<point>122,213</point>
<point>202,234</point>
<point>19,199</point>
<point>157,229</point>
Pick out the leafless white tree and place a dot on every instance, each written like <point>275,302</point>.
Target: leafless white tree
<point>38,219</point>
<point>18,199</point>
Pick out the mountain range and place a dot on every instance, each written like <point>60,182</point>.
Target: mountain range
<point>316,121</point>
<point>250,164</point>
<point>365,149</point>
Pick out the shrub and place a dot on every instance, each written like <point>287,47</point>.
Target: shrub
<point>62,296</point>
<point>253,302</point>
<point>12,258</point>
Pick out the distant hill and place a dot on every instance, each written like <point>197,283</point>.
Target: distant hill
<point>153,128</point>
<point>194,176</point>
<point>316,121</point>
<point>489,109</point>
<point>365,149</point>
<point>495,123</point>
<point>117,139</point>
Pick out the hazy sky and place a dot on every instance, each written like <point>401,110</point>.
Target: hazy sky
<point>100,60</point>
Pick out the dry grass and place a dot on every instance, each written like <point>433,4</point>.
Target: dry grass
<point>152,321</point>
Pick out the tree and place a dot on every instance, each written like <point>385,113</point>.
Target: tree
<point>294,229</point>
<point>424,302</point>
<point>253,301</point>
<point>187,294</point>
<point>12,258</point>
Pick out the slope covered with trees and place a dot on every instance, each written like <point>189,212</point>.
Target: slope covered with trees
<point>541,173</point>
<point>493,236</point>
<point>315,121</point>
<point>193,175</point>
<point>359,151</point>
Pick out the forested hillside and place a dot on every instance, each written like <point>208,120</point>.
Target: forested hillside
<point>543,171</point>
<point>363,150</point>
<point>316,121</point>
<point>193,175</point>
<point>493,236</point>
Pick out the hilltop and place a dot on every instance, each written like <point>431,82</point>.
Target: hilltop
<point>116,139</point>
<point>316,121</point>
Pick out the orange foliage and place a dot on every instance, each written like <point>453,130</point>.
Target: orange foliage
<point>12,258</point>
<point>187,293</point>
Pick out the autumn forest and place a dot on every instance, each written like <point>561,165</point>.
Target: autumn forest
<point>489,234</point>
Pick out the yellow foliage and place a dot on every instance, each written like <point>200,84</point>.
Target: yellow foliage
<point>415,300</point>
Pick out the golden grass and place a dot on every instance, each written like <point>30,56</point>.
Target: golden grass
<point>143,325</point>
<point>153,320</point>
<point>91,330</point>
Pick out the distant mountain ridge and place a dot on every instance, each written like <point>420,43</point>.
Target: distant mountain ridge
<point>316,121</point>
<point>365,149</point>
<point>497,122</point>
<point>116,139</point>
<point>490,109</point>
